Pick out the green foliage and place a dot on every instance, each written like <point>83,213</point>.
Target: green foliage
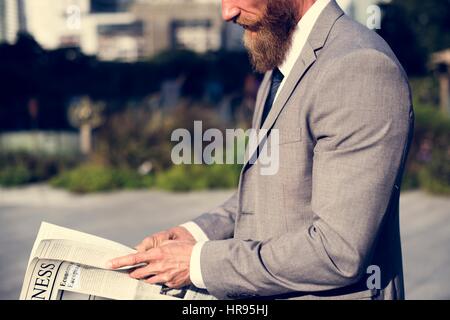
<point>426,91</point>
<point>428,161</point>
<point>19,168</point>
<point>410,181</point>
<point>14,176</point>
<point>134,136</point>
<point>435,177</point>
<point>91,178</point>
<point>54,78</point>
<point>198,177</point>
<point>431,126</point>
<point>95,178</point>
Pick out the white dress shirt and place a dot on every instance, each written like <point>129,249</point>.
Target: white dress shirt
<point>299,38</point>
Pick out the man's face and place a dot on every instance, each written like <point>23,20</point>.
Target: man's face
<point>268,25</point>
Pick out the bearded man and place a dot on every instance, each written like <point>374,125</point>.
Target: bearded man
<point>326,224</point>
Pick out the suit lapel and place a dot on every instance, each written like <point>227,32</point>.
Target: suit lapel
<point>259,107</point>
<point>308,56</point>
<point>316,41</point>
<point>265,85</point>
<point>306,59</point>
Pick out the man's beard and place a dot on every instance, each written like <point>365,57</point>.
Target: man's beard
<point>272,37</point>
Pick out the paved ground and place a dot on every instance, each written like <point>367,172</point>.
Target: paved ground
<point>127,217</point>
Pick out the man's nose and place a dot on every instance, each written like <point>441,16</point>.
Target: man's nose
<point>230,10</point>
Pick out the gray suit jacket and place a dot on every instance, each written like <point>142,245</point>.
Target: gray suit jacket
<point>345,123</point>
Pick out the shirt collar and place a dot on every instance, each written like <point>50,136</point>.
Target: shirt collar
<point>301,34</point>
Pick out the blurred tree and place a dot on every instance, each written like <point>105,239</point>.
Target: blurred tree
<point>415,29</point>
<point>36,85</point>
<point>86,115</point>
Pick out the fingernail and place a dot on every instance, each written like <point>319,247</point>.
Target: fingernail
<point>109,265</point>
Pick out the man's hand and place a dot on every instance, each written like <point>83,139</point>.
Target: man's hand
<point>167,264</point>
<point>154,241</point>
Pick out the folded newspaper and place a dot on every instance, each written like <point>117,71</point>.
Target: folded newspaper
<point>65,264</point>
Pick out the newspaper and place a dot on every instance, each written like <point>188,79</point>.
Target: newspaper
<point>65,264</point>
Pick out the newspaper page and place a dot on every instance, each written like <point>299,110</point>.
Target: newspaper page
<point>72,268</point>
<point>51,231</point>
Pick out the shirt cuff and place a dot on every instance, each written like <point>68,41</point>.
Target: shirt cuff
<point>197,232</point>
<point>195,268</point>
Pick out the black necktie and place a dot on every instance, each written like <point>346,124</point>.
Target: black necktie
<point>277,78</point>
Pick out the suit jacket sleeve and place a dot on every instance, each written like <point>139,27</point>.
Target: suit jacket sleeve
<point>218,224</point>
<point>360,123</point>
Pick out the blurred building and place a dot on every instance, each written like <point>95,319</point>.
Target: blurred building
<point>12,19</point>
<point>198,24</point>
<point>131,29</point>
<point>191,24</point>
<point>99,27</point>
<point>39,142</point>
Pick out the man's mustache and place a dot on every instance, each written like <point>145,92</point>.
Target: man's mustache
<point>247,24</point>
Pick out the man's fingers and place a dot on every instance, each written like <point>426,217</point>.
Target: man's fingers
<point>165,242</point>
<point>140,248</point>
<point>144,272</point>
<point>135,258</point>
<point>128,260</point>
<point>175,284</point>
<point>154,241</point>
<point>147,243</point>
<point>159,278</point>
